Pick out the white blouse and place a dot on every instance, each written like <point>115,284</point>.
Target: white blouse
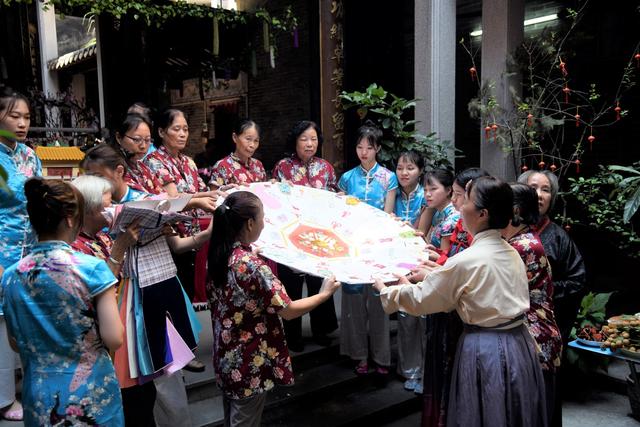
<point>486,284</point>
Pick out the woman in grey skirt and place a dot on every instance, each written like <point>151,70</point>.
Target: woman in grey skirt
<point>497,379</point>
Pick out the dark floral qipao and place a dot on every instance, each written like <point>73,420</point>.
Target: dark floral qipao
<point>140,177</point>
<point>316,173</point>
<point>181,171</point>
<point>540,318</point>
<point>231,170</point>
<point>249,347</point>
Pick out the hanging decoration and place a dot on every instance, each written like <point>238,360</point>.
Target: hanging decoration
<point>487,133</point>
<point>637,58</point>
<point>566,91</point>
<point>591,138</point>
<point>272,56</point>
<point>494,128</point>
<point>474,74</point>
<point>577,117</point>
<point>254,63</point>
<point>542,164</point>
<point>296,40</point>
<point>618,110</point>
<point>524,168</point>
<point>563,68</point>
<point>266,40</point>
<point>529,119</point>
<point>216,37</point>
<point>553,167</point>
<point>577,162</point>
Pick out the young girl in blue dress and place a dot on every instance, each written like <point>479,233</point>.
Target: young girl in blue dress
<point>410,202</point>
<point>362,314</point>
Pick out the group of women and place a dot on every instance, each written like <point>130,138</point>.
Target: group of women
<point>467,315</point>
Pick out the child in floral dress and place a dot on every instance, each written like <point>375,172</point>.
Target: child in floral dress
<point>250,354</point>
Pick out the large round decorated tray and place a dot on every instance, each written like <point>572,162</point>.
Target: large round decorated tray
<point>323,233</point>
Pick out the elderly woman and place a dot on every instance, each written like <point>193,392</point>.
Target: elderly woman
<point>92,240</point>
<point>150,292</point>
<point>497,379</point>
<point>302,167</point>
<point>567,266</point>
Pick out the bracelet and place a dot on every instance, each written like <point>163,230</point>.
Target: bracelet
<point>115,261</point>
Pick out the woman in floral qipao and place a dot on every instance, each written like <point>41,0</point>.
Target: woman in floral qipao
<point>54,301</point>
<point>250,353</point>
<point>540,319</point>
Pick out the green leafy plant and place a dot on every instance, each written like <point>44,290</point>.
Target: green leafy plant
<point>389,112</point>
<point>592,313</point>
<point>609,200</point>
<point>156,13</point>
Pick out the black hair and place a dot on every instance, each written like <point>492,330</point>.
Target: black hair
<point>371,133</point>
<point>104,155</point>
<point>164,121</point>
<point>228,220</point>
<point>525,205</point>
<point>8,99</point>
<point>443,176</point>
<point>131,122</point>
<point>469,175</point>
<point>245,124</point>
<point>496,197</point>
<point>297,130</point>
<point>413,157</point>
<point>50,201</point>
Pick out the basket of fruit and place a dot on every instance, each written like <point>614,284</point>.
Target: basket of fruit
<point>590,336</point>
<point>623,334</point>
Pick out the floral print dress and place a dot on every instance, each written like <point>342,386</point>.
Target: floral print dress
<point>181,171</point>
<point>316,173</point>
<point>250,354</point>
<point>540,318</point>
<point>443,225</point>
<point>231,170</point>
<point>49,302</point>
<point>140,177</point>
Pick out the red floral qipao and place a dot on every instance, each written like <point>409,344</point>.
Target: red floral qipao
<point>316,173</point>
<point>141,178</point>
<point>231,170</point>
<point>180,170</point>
<point>540,318</point>
<point>98,246</point>
<point>249,347</point>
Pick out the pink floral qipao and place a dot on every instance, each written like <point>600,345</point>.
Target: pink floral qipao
<point>249,347</point>
<point>540,318</point>
<point>231,170</point>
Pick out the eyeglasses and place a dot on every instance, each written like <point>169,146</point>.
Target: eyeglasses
<point>138,140</point>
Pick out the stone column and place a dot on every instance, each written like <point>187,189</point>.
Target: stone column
<point>502,32</point>
<point>435,64</point>
<point>48,46</point>
<point>331,78</point>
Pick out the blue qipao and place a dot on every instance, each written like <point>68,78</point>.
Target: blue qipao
<point>369,186</point>
<point>409,207</point>
<point>49,307</point>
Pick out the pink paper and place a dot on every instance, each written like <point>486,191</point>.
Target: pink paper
<point>180,351</point>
